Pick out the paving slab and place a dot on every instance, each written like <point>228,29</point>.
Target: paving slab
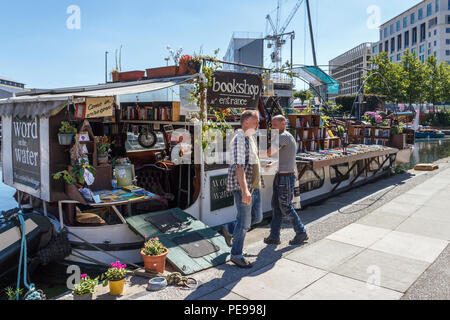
<point>277,281</point>
<point>395,272</point>
<point>383,220</point>
<point>336,287</point>
<point>359,235</point>
<point>413,199</point>
<point>426,227</point>
<point>410,246</point>
<point>325,254</point>
<point>404,209</point>
<point>433,213</point>
<point>222,294</point>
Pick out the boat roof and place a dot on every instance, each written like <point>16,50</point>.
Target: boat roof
<point>46,102</point>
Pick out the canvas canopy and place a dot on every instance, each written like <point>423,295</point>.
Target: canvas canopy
<point>49,102</point>
<point>317,77</point>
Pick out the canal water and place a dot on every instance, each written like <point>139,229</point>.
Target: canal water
<point>425,151</point>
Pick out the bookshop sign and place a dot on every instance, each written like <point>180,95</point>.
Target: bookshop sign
<point>220,197</point>
<point>234,90</point>
<point>99,107</point>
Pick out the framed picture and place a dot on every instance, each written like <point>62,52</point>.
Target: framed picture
<point>83,136</point>
<point>80,111</point>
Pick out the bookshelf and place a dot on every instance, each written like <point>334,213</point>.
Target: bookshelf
<point>369,135</point>
<point>311,134</point>
<point>151,111</point>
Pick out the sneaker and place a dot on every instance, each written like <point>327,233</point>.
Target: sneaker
<point>299,239</point>
<point>228,236</point>
<point>241,262</point>
<point>270,240</point>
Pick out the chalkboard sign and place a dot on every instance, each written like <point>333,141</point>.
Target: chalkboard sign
<point>234,90</point>
<point>26,152</point>
<point>220,197</point>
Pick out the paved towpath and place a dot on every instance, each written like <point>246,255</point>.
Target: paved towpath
<point>386,240</point>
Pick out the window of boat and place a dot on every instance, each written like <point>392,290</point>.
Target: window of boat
<point>312,180</point>
<point>132,143</point>
<point>339,172</point>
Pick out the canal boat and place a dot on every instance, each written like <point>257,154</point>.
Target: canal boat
<point>180,198</point>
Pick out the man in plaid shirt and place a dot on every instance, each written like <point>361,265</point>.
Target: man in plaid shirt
<point>245,182</point>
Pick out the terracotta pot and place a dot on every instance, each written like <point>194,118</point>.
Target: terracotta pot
<point>115,76</point>
<point>155,263</point>
<point>131,75</point>
<point>162,72</point>
<point>102,158</point>
<point>116,287</point>
<point>87,296</point>
<point>183,69</point>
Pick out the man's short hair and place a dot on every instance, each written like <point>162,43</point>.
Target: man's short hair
<point>249,114</point>
<point>279,118</point>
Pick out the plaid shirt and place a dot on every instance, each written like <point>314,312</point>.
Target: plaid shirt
<point>239,155</point>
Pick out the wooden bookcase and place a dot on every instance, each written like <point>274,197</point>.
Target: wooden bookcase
<point>311,134</point>
<point>369,135</point>
<point>151,111</point>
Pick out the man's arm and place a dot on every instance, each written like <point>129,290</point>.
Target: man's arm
<point>246,196</point>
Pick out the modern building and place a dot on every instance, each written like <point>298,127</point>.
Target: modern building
<point>246,48</point>
<point>423,29</point>
<point>9,87</point>
<point>349,68</point>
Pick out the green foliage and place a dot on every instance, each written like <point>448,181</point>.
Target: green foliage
<point>397,128</point>
<point>86,285</point>
<point>115,273</point>
<point>436,119</point>
<point>12,293</point>
<point>153,247</point>
<point>304,95</point>
<point>409,81</point>
<point>67,128</point>
<point>76,174</point>
<point>103,144</point>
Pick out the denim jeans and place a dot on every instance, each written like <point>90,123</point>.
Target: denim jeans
<point>247,216</point>
<point>283,194</point>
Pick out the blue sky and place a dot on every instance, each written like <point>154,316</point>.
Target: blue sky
<point>38,49</point>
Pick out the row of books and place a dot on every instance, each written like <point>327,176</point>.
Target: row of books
<point>148,113</point>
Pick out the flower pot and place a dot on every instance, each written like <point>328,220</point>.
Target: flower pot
<point>102,158</point>
<point>131,75</point>
<point>87,296</point>
<point>183,69</point>
<point>162,72</point>
<point>155,263</point>
<point>398,141</point>
<point>115,76</point>
<point>116,287</point>
<point>65,139</point>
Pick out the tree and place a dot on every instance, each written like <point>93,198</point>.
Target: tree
<point>433,81</point>
<point>414,81</point>
<point>385,78</point>
<point>304,95</point>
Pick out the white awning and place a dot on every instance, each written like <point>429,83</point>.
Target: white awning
<point>48,102</point>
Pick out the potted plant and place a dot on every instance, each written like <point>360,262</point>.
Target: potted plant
<point>115,277</point>
<point>168,71</point>
<point>103,149</point>
<point>398,138</point>
<point>194,65</point>
<point>184,64</point>
<point>118,69</point>
<point>154,255</point>
<point>375,118</point>
<point>85,289</point>
<point>66,133</point>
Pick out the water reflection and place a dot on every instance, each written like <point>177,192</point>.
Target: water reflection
<point>6,195</point>
<point>430,150</point>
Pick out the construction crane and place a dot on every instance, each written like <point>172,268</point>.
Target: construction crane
<point>277,38</point>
